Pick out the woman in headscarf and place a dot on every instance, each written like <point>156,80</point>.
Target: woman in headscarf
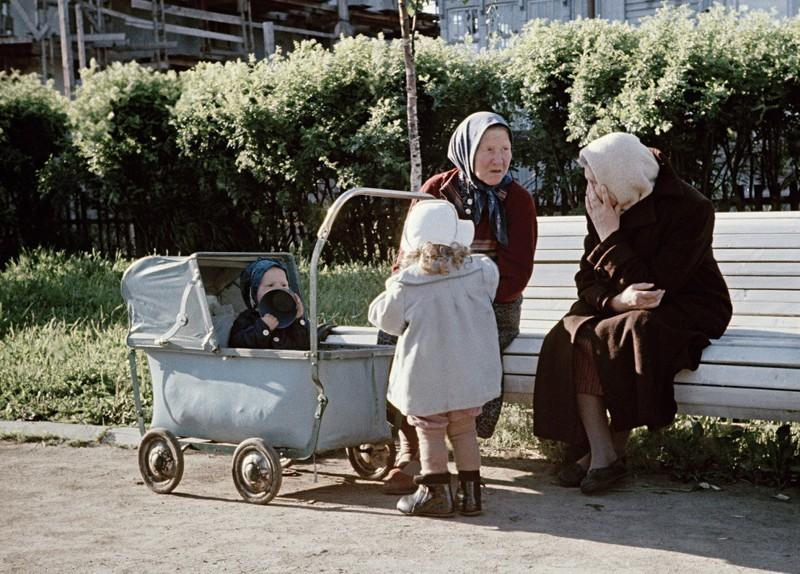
<point>650,296</point>
<point>482,190</point>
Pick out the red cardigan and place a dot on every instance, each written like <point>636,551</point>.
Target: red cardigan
<point>514,260</point>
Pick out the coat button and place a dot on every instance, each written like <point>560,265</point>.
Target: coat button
<point>276,339</point>
<point>265,332</point>
<point>302,323</point>
<point>468,211</point>
<point>469,201</point>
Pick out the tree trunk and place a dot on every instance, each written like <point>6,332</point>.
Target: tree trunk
<point>411,96</point>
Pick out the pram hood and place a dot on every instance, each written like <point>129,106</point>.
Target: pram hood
<point>167,304</point>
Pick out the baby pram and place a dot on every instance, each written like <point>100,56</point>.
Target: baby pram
<point>263,405</point>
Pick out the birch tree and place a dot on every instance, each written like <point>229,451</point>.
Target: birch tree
<point>407,10</point>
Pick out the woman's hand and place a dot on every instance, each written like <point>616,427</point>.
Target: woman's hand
<point>603,211</point>
<point>637,296</point>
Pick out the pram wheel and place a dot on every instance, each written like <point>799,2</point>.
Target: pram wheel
<point>256,471</point>
<point>160,460</point>
<point>372,461</point>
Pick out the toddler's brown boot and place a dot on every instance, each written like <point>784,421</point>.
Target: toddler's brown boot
<point>434,497</point>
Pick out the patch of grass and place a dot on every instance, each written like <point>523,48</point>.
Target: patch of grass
<point>68,372</point>
<point>23,438</point>
<point>345,290</point>
<point>45,285</point>
<point>711,449</point>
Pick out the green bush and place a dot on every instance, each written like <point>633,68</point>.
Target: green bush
<point>248,155</point>
<point>124,132</point>
<point>34,131</point>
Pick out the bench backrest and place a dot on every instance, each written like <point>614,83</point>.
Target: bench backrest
<point>758,253</point>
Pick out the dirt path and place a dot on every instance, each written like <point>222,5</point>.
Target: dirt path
<point>67,509</point>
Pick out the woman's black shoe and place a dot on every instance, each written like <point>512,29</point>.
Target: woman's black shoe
<point>571,474</point>
<point>601,479</point>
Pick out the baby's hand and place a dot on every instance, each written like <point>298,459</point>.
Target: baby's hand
<point>299,303</point>
<point>270,320</point>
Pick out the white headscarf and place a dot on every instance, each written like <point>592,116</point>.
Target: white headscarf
<point>623,164</point>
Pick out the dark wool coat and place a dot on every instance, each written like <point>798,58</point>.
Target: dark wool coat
<point>664,239</point>
<point>250,332</point>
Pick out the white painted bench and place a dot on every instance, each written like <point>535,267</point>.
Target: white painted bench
<point>752,372</point>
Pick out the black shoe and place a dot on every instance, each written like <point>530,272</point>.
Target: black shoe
<point>468,495</point>
<point>571,474</point>
<point>434,497</point>
<point>601,479</point>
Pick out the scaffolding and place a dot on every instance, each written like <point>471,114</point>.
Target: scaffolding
<point>62,36</point>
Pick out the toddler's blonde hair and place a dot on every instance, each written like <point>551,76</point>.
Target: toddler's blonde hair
<point>437,259</point>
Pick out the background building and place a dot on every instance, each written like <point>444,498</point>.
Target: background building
<point>484,20</point>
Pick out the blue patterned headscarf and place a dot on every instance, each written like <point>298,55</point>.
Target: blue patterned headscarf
<point>461,151</point>
<point>251,277</point>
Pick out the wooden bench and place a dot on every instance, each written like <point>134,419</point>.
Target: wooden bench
<point>752,372</point>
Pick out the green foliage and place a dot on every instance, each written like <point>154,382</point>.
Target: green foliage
<point>44,286</point>
<point>453,82</point>
<point>705,448</point>
<point>123,129</point>
<point>541,68</point>
<point>71,372</point>
<point>344,291</point>
<point>34,130</point>
<point>247,155</point>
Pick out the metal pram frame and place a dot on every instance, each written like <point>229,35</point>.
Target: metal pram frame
<point>252,402</point>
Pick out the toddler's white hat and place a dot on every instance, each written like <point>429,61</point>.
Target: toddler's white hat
<point>435,221</point>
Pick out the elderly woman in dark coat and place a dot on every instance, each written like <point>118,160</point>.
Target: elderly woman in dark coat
<point>650,296</point>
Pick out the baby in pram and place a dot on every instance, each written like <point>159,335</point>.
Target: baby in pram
<point>255,330</point>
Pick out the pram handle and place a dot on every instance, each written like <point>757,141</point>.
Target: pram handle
<point>322,237</point>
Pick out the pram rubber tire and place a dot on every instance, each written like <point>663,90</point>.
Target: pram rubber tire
<point>256,470</point>
<point>372,461</point>
<point>160,460</point>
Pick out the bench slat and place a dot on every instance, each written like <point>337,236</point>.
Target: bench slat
<point>556,276</point>
<point>761,269</point>
<point>721,241</point>
<point>727,377</point>
<point>784,404</point>
<point>573,255</point>
<point>786,324</point>
<point>781,357</point>
<point>539,292</point>
<point>780,325</point>
<point>729,269</point>
<point>576,225</point>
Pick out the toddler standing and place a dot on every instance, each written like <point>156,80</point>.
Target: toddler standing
<point>447,360</point>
